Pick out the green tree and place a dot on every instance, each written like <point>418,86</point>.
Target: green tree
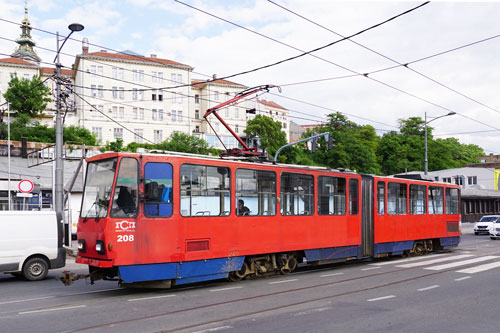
<point>269,132</point>
<point>354,146</point>
<point>79,135</point>
<point>185,143</point>
<point>28,97</point>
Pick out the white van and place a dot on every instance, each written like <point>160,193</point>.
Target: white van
<point>30,243</point>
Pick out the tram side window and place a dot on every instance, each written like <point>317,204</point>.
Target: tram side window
<point>418,202</point>
<point>157,189</point>
<point>257,189</point>
<point>435,200</point>
<point>125,197</point>
<point>331,195</point>
<point>381,198</point>
<point>396,199</point>
<point>452,201</point>
<point>353,197</point>
<point>205,190</point>
<point>297,194</point>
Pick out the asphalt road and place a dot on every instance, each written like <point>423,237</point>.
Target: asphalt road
<point>457,291</point>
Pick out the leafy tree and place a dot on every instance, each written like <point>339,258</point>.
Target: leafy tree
<point>79,135</point>
<point>116,145</point>
<point>268,131</point>
<point>28,97</point>
<point>354,145</point>
<point>185,143</point>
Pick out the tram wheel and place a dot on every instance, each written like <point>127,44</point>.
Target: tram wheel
<point>239,275</point>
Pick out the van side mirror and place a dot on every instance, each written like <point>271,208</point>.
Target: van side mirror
<point>151,191</point>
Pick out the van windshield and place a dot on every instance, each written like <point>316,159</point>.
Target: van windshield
<point>98,185</point>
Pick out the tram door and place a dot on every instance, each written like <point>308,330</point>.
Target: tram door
<point>367,216</point>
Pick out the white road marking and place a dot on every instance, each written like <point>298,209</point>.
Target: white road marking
<point>461,263</point>
<point>392,262</point>
<point>370,268</point>
<point>26,300</point>
<point>215,329</point>
<point>463,278</point>
<point>223,289</point>
<point>148,298</point>
<point>433,261</point>
<point>429,288</point>
<point>480,268</point>
<point>380,298</point>
<point>332,274</point>
<point>284,281</point>
<point>312,311</point>
<point>52,309</point>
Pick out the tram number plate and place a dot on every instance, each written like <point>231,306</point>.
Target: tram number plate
<point>125,238</point>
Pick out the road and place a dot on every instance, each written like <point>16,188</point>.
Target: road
<point>457,291</point>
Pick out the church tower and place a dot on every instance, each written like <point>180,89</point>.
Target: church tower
<point>25,50</point>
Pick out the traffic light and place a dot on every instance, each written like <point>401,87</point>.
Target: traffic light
<point>314,145</point>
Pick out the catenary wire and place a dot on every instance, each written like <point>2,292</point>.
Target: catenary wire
<point>386,57</point>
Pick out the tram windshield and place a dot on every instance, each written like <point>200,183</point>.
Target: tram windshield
<point>98,185</point>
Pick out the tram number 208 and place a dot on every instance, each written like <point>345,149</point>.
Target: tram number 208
<point>125,238</point>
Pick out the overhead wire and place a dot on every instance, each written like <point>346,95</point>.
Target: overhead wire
<point>406,65</point>
<point>343,67</point>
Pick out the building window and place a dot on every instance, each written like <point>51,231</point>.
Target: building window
<point>160,114</point>
<point>141,113</point>
<point>139,133</point>
<point>160,77</point>
<point>173,114</point>
<point>135,75</point>
<point>93,69</point>
<point>197,99</point>
<point>160,95</point>
<point>115,92</point>
<point>153,95</point>
<point>115,112</point>
<point>179,116</point>
<point>236,129</point>
<point>121,112</point>
<point>135,114</point>
<point>118,133</point>
<point>114,72</point>
<point>154,77</point>
<point>100,71</point>
<point>158,136</point>
<point>100,91</point>
<point>196,114</point>
<point>134,94</point>
<point>154,114</point>
<point>472,180</point>
<point>216,95</point>
<point>93,91</point>
<point>141,75</point>
<point>122,93</point>
<point>141,95</point>
<point>97,131</point>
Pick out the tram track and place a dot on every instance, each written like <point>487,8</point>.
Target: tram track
<point>269,309</point>
<point>236,301</point>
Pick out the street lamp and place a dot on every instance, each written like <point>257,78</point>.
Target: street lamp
<point>426,162</point>
<point>59,172</point>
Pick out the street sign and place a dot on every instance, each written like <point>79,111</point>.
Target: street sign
<point>25,186</point>
<point>24,195</point>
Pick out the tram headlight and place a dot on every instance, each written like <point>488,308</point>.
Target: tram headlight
<point>81,245</point>
<point>99,247</point>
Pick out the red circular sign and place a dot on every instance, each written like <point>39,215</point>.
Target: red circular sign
<point>25,186</point>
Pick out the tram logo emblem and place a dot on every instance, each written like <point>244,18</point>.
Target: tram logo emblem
<point>123,226</point>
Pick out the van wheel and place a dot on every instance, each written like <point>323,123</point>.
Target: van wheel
<point>35,269</point>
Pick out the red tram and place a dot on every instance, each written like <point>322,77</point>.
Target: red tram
<point>162,220</point>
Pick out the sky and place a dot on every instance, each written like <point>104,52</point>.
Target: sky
<point>251,34</point>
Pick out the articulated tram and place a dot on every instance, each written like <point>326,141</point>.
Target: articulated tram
<point>172,219</point>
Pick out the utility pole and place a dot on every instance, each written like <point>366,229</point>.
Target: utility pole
<point>59,172</point>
